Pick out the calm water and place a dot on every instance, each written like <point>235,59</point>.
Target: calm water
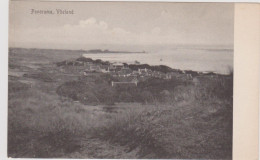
<point>216,60</point>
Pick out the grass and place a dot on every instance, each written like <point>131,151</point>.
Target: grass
<point>33,129</point>
<point>50,129</point>
<point>48,116</point>
<point>190,129</point>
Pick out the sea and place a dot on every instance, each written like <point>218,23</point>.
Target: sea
<point>202,59</point>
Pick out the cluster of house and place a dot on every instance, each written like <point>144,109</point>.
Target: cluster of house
<point>122,70</point>
<point>127,76</point>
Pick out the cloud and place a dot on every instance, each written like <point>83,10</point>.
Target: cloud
<point>90,21</point>
<point>89,31</point>
<point>98,32</point>
<point>94,31</point>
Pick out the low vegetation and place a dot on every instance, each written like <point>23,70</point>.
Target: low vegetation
<point>97,89</point>
<point>50,116</point>
<point>188,128</point>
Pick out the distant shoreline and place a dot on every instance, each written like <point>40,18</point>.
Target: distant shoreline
<point>97,51</point>
<point>211,48</point>
<point>90,51</point>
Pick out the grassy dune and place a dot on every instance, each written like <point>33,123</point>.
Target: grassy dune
<point>55,112</point>
<point>181,130</point>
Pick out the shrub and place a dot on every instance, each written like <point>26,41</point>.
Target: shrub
<point>125,97</point>
<point>87,92</point>
<point>147,97</point>
<point>218,87</point>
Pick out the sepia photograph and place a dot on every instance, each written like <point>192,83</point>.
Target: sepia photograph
<point>120,80</point>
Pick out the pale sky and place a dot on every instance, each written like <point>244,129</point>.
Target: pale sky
<point>120,23</point>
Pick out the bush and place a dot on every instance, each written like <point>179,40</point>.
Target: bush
<point>218,87</point>
<point>125,97</point>
<point>147,97</point>
<point>87,93</point>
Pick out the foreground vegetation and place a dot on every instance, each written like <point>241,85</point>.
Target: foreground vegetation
<point>56,112</point>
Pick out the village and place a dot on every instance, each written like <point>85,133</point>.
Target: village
<point>131,74</point>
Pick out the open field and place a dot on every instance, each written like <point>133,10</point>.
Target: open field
<point>56,111</point>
